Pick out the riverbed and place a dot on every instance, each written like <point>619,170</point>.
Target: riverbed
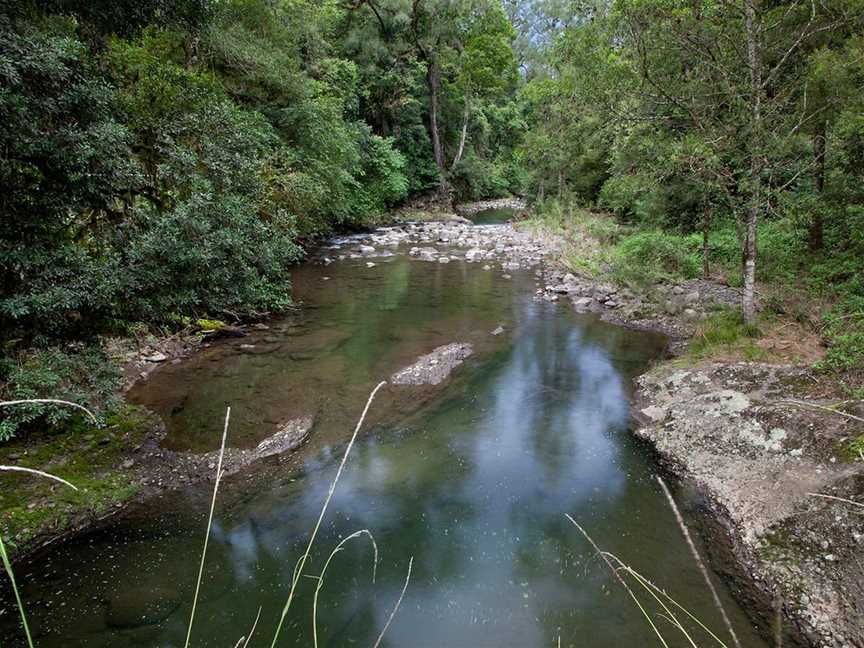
<point>471,480</point>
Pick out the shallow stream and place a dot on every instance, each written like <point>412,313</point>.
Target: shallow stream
<point>472,480</point>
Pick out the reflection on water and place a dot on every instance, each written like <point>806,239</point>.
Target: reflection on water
<point>474,486</point>
<point>493,216</point>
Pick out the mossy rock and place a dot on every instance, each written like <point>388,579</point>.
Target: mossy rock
<point>210,324</point>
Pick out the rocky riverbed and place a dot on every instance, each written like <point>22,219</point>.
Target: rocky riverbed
<point>675,309</point>
<point>755,441</point>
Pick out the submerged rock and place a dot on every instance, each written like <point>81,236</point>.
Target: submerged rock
<point>435,367</point>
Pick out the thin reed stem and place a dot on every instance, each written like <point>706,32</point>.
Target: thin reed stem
<point>4,557</point>
<point>620,580</point>
<point>39,473</point>
<point>837,499</point>
<point>398,603</point>
<point>324,571</point>
<point>298,569</point>
<point>55,401</point>
<point>8,566</point>
<point>245,640</point>
<point>686,533</point>
<point>209,525</point>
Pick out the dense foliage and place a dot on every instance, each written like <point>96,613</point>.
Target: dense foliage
<point>166,160</point>
<point>737,123</point>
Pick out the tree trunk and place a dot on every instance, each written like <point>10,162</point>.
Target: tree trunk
<point>706,228</point>
<point>433,81</point>
<point>753,28</point>
<point>819,141</point>
<point>466,114</point>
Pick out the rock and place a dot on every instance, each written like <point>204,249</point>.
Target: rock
<point>443,259</point>
<point>690,314</point>
<point>655,413</point>
<point>369,264</point>
<point>609,303</point>
<point>498,330</point>
<point>126,465</point>
<point>692,297</point>
<point>435,367</point>
<point>139,606</point>
<point>289,437</point>
<point>583,303</point>
<point>366,249</point>
<point>156,357</point>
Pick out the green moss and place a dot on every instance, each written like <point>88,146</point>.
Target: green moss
<point>86,456</point>
<point>210,325</point>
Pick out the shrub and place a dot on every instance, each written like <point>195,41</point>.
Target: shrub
<point>652,256</point>
<point>77,373</point>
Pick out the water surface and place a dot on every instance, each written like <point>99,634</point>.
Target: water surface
<point>471,481</point>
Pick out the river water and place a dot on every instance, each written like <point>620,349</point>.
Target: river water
<point>472,480</point>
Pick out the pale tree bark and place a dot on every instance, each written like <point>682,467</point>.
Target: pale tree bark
<point>464,136</point>
<point>706,229</point>
<point>753,29</point>
<point>433,81</point>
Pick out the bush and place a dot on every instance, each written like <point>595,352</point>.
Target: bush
<point>214,252</point>
<point>652,256</point>
<point>80,374</point>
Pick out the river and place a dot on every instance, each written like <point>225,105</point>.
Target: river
<point>471,480</point>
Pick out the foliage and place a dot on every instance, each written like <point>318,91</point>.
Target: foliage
<point>651,256</point>
<point>80,374</point>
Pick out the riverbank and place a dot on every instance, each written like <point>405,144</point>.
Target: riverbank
<point>728,477</point>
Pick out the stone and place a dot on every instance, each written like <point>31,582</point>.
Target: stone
<point>583,302</point>
<point>443,259</point>
<point>692,297</point>
<point>369,264</point>
<point>366,249</point>
<point>156,357</point>
<point>498,330</point>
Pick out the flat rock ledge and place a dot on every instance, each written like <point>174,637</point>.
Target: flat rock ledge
<point>746,437</point>
<point>290,436</point>
<point>435,367</point>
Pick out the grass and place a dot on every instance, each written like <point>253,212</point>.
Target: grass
<point>725,333</point>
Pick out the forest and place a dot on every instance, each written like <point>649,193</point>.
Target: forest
<point>164,162</point>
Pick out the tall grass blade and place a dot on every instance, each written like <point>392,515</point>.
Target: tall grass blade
<point>686,533</point>
<point>624,584</point>
<point>38,473</point>
<point>8,567</point>
<point>244,641</point>
<point>55,401</point>
<point>209,525</point>
<point>320,584</point>
<point>298,569</point>
<point>4,557</point>
<point>398,603</point>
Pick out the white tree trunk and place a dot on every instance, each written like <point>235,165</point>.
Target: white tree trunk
<point>753,29</point>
